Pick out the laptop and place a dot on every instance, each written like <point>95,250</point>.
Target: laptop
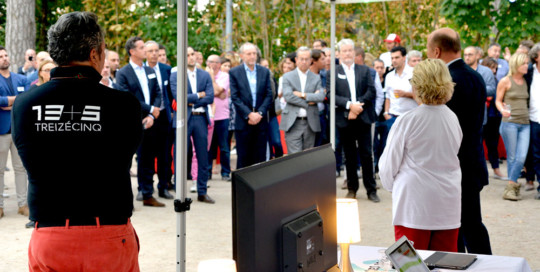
<point>404,257</point>
<point>450,260</point>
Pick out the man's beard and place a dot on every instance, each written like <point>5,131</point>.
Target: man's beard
<point>4,67</point>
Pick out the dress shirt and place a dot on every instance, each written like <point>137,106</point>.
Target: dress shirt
<point>252,80</point>
<point>386,57</point>
<point>303,78</point>
<point>421,168</point>
<point>351,79</point>
<point>192,76</point>
<point>222,105</point>
<point>282,102</point>
<point>502,69</point>
<point>379,99</point>
<point>534,106</point>
<point>393,81</point>
<point>143,81</point>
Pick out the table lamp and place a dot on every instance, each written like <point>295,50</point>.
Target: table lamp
<point>217,265</point>
<point>348,229</point>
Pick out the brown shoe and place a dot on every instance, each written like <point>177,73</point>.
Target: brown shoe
<point>351,194</point>
<point>1,212</point>
<point>24,211</point>
<point>152,202</point>
<point>205,199</point>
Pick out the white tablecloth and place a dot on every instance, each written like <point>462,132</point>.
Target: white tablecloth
<point>364,258</point>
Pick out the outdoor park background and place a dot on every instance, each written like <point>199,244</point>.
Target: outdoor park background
<point>276,26</point>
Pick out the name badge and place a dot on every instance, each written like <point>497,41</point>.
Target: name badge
<point>151,76</point>
<point>166,82</point>
<point>341,76</point>
<point>20,89</point>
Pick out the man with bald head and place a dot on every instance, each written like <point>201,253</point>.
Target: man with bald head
<point>40,57</point>
<point>30,64</point>
<point>468,104</point>
<point>114,62</point>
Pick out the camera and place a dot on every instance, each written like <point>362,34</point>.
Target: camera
<point>30,58</point>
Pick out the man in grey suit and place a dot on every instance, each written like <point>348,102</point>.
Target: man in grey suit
<point>302,90</point>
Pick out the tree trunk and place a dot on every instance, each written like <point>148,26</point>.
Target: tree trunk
<point>20,30</point>
<point>266,53</point>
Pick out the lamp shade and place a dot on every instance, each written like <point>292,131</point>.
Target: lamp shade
<point>217,265</point>
<point>348,221</point>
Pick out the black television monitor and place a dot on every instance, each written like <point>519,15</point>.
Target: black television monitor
<point>270,196</point>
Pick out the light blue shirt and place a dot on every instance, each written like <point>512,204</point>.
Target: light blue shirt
<point>252,80</point>
<point>143,81</point>
<point>489,79</point>
<point>502,69</point>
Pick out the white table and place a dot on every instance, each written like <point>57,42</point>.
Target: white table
<point>364,257</point>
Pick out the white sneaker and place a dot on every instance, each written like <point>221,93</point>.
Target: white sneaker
<point>193,188</point>
<point>5,195</point>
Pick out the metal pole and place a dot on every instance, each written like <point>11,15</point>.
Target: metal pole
<point>181,132</point>
<point>228,27</point>
<point>333,75</point>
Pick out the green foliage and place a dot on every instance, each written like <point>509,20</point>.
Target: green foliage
<point>480,22</point>
<point>3,10</point>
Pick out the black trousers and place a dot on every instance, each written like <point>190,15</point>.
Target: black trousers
<point>356,140</point>
<point>164,142</point>
<point>473,235</point>
<point>251,144</point>
<point>491,136</point>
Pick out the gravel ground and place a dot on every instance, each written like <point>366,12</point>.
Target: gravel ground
<point>511,225</point>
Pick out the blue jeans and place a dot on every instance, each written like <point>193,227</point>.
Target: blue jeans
<point>516,141</point>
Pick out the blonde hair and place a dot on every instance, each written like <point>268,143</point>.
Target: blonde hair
<point>41,80</point>
<point>517,60</point>
<point>432,82</point>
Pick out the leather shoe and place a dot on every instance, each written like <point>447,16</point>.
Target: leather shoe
<point>205,199</point>
<point>351,194</point>
<point>165,194</point>
<point>30,224</point>
<point>152,202</point>
<point>373,197</point>
<point>24,211</point>
<point>139,196</point>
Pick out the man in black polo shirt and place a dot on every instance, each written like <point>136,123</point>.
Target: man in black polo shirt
<point>75,124</point>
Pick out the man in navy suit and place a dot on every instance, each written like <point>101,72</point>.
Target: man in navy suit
<point>467,103</point>
<point>11,85</point>
<point>251,93</point>
<point>163,125</point>
<point>355,112</point>
<point>200,94</point>
<point>142,82</point>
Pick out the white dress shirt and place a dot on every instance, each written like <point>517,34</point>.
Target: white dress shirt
<point>386,57</point>
<point>303,78</point>
<point>534,104</point>
<point>393,81</point>
<point>158,75</point>
<point>192,76</point>
<point>141,76</point>
<point>351,79</point>
<point>420,167</point>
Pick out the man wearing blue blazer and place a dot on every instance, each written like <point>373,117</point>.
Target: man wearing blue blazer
<point>200,94</point>
<point>11,85</point>
<point>163,125</point>
<point>251,93</point>
<point>467,102</point>
<point>142,82</point>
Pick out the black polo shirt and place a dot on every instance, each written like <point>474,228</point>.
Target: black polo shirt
<point>76,138</point>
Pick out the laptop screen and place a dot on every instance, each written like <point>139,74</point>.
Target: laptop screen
<point>405,258</point>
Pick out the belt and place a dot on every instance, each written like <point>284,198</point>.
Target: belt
<point>197,113</point>
<point>301,118</point>
<point>88,221</point>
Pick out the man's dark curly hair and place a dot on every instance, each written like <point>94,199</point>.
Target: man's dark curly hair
<point>73,37</point>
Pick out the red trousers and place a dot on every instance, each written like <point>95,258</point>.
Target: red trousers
<point>84,248</point>
<point>436,240</point>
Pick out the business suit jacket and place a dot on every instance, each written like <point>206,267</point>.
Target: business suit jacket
<point>20,84</point>
<point>241,94</point>
<point>468,103</point>
<point>365,93</point>
<point>204,84</point>
<point>127,80</point>
<point>291,82</point>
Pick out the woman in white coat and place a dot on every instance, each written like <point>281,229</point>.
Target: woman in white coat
<point>420,165</point>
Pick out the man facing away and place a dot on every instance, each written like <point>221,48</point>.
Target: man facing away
<point>82,216</point>
<point>302,90</point>
<point>467,103</point>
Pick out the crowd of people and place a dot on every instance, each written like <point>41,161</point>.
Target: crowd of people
<point>414,121</point>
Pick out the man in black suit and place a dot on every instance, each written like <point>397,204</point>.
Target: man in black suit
<point>164,133</point>
<point>142,82</point>
<point>468,104</point>
<point>355,112</point>
<point>251,94</point>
